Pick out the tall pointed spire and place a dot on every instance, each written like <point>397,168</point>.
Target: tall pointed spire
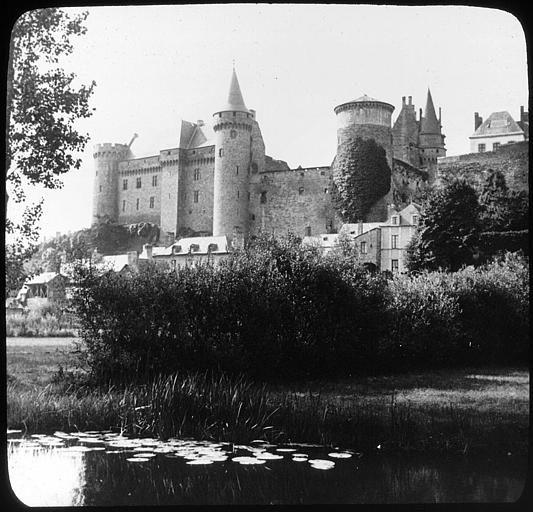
<point>430,124</point>
<point>235,100</point>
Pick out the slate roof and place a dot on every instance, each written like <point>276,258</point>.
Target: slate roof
<point>43,278</point>
<point>430,123</point>
<point>498,123</point>
<point>235,100</point>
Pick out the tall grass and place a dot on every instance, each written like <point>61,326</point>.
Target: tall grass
<point>232,409</point>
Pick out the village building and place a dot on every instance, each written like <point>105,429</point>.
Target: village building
<point>498,129</point>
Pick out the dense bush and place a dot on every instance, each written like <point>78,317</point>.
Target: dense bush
<point>279,311</point>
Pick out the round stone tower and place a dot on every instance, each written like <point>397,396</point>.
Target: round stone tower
<point>367,118</point>
<point>106,158</point>
<point>233,135</point>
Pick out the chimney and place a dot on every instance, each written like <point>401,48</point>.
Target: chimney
<point>420,113</point>
<point>403,100</point>
<point>252,111</point>
<point>410,98</point>
<point>200,122</point>
<point>360,227</point>
<point>132,259</point>
<point>148,249</point>
<point>478,121</point>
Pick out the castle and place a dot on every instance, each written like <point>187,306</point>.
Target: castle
<point>219,181</point>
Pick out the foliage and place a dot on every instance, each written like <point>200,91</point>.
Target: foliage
<point>273,310</point>
<point>361,176</point>
<point>502,209</point>
<point>42,106</point>
<point>278,311</point>
<point>448,234</point>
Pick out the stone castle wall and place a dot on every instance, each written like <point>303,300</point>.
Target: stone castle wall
<point>139,204</point>
<point>195,211</point>
<point>511,160</point>
<point>297,200</point>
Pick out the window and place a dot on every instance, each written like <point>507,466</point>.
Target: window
<point>123,205</point>
<point>394,219</point>
<point>415,220</point>
<point>100,188</point>
<point>511,142</point>
<point>236,170</point>
<point>212,247</point>
<point>248,196</point>
<point>137,204</point>
<point>233,134</point>
<point>124,184</point>
<point>220,152</point>
<point>263,197</point>
<point>138,183</point>
<point>481,148</point>
<point>308,231</point>
<point>394,241</point>
<point>196,174</point>
<point>194,248</point>
<point>364,249</point>
<point>238,194</point>
<point>300,191</point>
<point>394,266</point>
<point>152,202</point>
<point>154,180</point>
<point>196,194</point>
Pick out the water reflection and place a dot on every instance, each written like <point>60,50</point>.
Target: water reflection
<point>95,468</point>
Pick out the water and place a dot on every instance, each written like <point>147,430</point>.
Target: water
<point>99,468</point>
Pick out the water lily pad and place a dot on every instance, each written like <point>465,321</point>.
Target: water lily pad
<point>288,450</point>
<point>145,455</point>
<point>300,455</point>
<point>268,456</point>
<point>248,460</point>
<point>340,455</point>
<point>137,459</point>
<point>13,431</point>
<point>299,459</point>
<point>321,464</point>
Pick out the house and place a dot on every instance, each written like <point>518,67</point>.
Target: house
<point>379,245</point>
<point>49,285</point>
<point>500,128</point>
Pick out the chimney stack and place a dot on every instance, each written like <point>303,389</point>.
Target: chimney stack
<point>200,122</point>
<point>148,249</point>
<point>478,121</point>
<point>420,113</point>
<point>410,100</point>
<point>403,100</point>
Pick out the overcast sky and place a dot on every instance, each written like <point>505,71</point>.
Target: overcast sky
<point>156,65</point>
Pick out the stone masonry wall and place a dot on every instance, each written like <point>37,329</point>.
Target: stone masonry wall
<point>296,200</point>
<point>512,160</point>
<point>135,204</point>
<point>196,216</point>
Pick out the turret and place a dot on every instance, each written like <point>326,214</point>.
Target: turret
<point>233,145</point>
<point>106,158</point>
<point>367,118</point>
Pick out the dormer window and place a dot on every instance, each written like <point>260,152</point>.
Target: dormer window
<point>194,247</point>
<point>212,247</point>
<point>394,220</point>
<point>176,249</point>
<point>415,220</point>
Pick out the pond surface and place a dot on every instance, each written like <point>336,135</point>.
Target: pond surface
<point>104,468</point>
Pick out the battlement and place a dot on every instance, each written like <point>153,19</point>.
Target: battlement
<point>108,149</point>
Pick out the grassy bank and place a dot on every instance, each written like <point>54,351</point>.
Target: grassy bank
<point>474,410</point>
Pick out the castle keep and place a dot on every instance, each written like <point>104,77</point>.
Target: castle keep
<point>219,181</point>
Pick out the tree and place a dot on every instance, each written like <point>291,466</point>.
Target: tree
<point>42,107</point>
<point>449,229</point>
<point>502,209</point>
<point>361,176</point>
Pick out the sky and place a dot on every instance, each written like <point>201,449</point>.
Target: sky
<point>156,65</point>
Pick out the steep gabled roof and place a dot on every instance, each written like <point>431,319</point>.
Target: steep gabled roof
<point>498,123</point>
<point>430,123</point>
<point>235,100</point>
<point>43,278</point>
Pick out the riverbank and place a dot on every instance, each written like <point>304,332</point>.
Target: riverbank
<point>475,410</point>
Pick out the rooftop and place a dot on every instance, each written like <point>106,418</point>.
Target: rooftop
<point>498,123</point>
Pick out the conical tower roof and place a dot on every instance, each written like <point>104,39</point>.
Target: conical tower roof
<point>235,100</point>
<point>430,123</point>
